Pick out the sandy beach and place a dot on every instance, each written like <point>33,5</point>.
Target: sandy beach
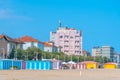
<point>109,74</point>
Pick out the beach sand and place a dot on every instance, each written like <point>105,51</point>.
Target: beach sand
<point>98,74</point>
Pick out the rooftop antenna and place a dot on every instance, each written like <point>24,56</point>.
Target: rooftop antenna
<point>59,23</point>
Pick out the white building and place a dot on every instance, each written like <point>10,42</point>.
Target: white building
<point>104,51</point>
<point>96,51</point>
<point>116,58</point>
<point>69,39</point>
<point>50,47</point>
<point>31,42</point>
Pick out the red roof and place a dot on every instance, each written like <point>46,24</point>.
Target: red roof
<point>47,44</point>
<point>1,36</point>
<point>28,39</point>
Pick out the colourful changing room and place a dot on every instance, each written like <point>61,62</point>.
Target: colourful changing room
<point>91,64</point>
<point>110,65</point>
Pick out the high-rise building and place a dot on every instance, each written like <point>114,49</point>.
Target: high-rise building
<point>69,39</point>
<point>116,58</point>
<point>96,51</point>
<point>108,51</point>
<point>104,51</point>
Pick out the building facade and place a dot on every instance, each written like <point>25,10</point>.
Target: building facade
<point>96,51</point>
<point>69,39</point>
<point>108,52</point>
<point>7,44</point>
<point>85,53</point>
<point>116,58</point>
<point>50,47</point>
<point>104,51</point>
<point>30,42</point>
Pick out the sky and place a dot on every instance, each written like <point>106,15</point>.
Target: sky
<point>98,19</point>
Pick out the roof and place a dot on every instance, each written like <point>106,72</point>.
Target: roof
<point>88,62</point>
<point>28,39</point>
<point>1,36</point>
<point>111,63</point>
<point>47,44</point>
<point>9,39</point>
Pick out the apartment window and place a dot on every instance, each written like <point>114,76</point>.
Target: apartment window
<point>66,36</point>
<point>77,36</point>
<point>76,46</point>
<point>71,47</point>
<point>66,51</point>
<point>77,41</point>
<point>80,51</point>
<point>61,36</point>
<point>76,51</point>
<point>66,41</point>
<point>32,44</point>
<point>65,45</point>
<point>71,37</point>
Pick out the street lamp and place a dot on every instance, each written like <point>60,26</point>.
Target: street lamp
<point>78,59</point>
<point>64,59</point>
<point>36,55</point>
<point>58,57</point>
<point>84,58</point>
<point>15,55</point>
<point>42,56</point>
<point>26,55</point>
<point>51,56</point>
<point>71,57</point>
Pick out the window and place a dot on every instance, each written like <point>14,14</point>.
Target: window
<point>77,46</point>
<point>71,37</point>
<point>76,51</point>
<point>66,36</point>
<point>66,41</point>
<point>61,36</point>
<point>66,51</point>
<point>77,41</point>
<point>65,45</point>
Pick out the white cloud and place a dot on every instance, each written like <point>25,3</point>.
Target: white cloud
<point>4,14</point>
<point>9,14</point>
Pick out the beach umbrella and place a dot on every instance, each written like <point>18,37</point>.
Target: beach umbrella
<point>64,63</point>
<point>71,62</point>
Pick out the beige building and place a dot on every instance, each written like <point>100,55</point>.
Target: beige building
<point>50,47</point>
<point>85,53</point>
<point>7,44</point>
<point>104,51</point>
<point>96,51</point>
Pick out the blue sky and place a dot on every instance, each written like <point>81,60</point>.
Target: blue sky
<point>98,19</point>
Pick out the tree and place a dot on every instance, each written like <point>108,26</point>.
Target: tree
<point>34,53</point>
<point>21,54</point>
<point>12,54</point>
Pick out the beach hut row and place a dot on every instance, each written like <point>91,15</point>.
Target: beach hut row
<point>88,65</point>
<point>81,65</point>
<point>8,64</point>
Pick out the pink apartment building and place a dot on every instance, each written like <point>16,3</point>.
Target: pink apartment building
<point>69,39</point>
